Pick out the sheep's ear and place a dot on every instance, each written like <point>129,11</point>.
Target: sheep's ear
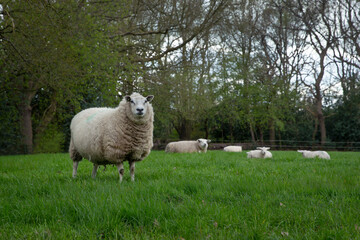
<point>128,98</point>
<point>149,98</point>
<point>259,148</point>
<point>208,140</point>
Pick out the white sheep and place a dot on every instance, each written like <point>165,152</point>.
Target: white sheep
<point>261,152</point>
<point>199,146</point>
<point>233,149</point>
<point>113,135</point>
<point>314,154</point>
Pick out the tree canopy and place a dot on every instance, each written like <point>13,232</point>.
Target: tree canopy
<point>242,70</point>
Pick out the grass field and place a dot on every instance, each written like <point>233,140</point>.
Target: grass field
<point>216,195</point>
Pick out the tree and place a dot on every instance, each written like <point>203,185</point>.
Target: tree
<point>281,49</point>
<point>238,35</point>
<point>317,21</point>
<point>185,82</point>
<point>41,54</point>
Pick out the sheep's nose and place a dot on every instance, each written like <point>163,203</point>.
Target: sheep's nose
<point>140,110</point>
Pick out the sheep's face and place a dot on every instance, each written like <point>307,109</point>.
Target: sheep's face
<point>303,152</point>
<point>263,150</point>
<point>139,104</point>
<point>203,143</point>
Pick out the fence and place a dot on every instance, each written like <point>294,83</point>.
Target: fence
<point>277,145</point>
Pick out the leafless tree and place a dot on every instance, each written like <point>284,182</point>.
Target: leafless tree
<point>317,21</point>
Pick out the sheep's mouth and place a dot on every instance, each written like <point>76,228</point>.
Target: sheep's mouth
<point>140,114</point>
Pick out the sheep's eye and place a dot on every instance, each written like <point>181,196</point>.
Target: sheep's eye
<point>145,101</point>
<point>132,101</point>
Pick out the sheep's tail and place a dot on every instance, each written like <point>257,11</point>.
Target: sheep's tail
<point>74,154</point>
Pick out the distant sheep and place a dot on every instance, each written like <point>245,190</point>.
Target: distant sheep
<point>199,146</point>
<point>233,149</point>
<point>113,135</point>
<point>314,154</point>
<point>261,152</point>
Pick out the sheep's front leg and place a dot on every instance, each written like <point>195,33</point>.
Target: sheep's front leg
<point>75,167</point>
<point>94,171</point>
<point>120,168</point>
<point>132,170</point>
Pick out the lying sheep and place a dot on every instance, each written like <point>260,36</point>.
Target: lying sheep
<point>261,152</point>
<point>199,146</point>
<point>113,135</point>
<point>233,149</point>
<point>314,154</point>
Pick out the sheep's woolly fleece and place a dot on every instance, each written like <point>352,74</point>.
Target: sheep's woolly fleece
<point>233,149</point>
<point>199,145</point>
<point>261,152</point>
<point>113,135</point>
<point>314,154</point>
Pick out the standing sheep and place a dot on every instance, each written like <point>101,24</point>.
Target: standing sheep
<point>261,152</point>
<point>199,146</point>
<point>233,149</point>
<point>314,154</point>
<point>113,135</point>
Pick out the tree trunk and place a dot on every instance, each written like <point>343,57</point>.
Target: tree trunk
<point>184,129</point>
<point>26,127</point>
<point>26,94</point>
<point>322,130</point>
<point>315,129</point>
<point>206,125</point>
<point>272,131</point>
<point>252,134</point>
<point>321,121</point>
<point>261,136</point>
<point>319,113</point>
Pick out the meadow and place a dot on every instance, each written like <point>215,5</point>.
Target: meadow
<point>217,195</point>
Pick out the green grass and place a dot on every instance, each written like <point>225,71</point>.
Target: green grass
<point>216,195</point>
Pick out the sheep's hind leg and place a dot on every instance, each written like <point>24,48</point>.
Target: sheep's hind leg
<point>94,171</point>
<point>132,170</point>
<point>120,167</point>
<point>75,166</point>
<point>75,156</point>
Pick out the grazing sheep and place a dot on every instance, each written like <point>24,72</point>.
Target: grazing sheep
<point>261,152</point>
<point>199,145</point>
<point>113,135</point>
<point>314,154</point>
<point>233,149</point>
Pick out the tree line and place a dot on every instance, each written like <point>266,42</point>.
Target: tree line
<point>229,70</point>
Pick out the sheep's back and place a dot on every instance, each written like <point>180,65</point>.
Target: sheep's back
<point>254,154</point>
<point>233,149</point>
<point>322,154</point>
<point>182,147</point>
<point>87,130</point>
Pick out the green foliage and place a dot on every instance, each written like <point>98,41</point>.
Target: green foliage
<point>63,58</point>
<point>345,120</point>
<point>50,141</point>
<point>9,132</point>
<point>216,195</point>
<point>300,128</point>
